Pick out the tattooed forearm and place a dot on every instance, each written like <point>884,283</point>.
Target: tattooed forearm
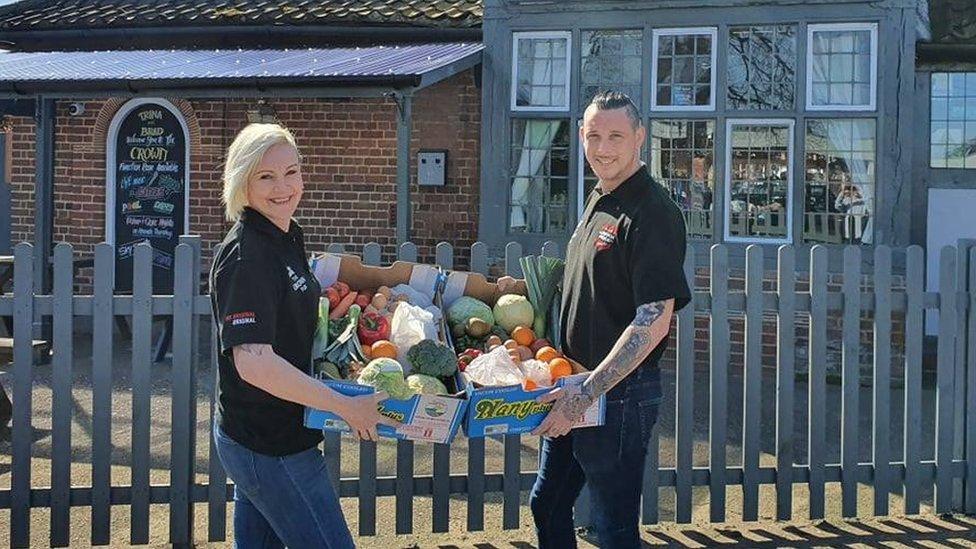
<point>637,341</point>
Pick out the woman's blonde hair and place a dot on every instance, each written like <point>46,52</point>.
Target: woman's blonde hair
<point>243,157</point>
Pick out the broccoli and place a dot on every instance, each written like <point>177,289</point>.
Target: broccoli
<point>431,358</point>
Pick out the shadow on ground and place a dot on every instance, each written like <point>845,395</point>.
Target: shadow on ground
<point>945,531</point>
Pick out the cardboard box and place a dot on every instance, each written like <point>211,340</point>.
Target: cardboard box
<point>512,410</point>
<point>425,418</point>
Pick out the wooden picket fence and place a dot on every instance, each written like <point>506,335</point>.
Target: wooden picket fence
<point>952,470</point>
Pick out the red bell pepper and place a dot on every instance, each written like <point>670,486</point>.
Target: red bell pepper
<point>373,327</point>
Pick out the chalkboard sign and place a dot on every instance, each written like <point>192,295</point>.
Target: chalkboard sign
<point>150,191</point>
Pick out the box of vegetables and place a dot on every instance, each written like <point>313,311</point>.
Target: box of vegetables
<point>507,339</point>
<point>382,328</point>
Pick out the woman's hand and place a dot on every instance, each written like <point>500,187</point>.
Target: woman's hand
<point>362,414</point>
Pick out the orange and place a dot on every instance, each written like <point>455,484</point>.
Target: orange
<point>559,367</point>
<point>546,354</point>
<point>383,349</point>
<point>367,352</point>
<point>523,336</point>
<point>530,385</point>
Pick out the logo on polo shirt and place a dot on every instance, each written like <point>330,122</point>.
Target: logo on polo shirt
<point>298,283</point>
<point>241,318</point>
<point>606,238</point>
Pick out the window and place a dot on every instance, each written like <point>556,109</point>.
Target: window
<point>610,60</point>
<point>758,190</point>
<point>840,181</point>
<point>540,72</point>
<point>683,69</point>
<point>682,160</point>
<point>842,66</point>
<point>953,115</point>
<point>539,199</point>
<point>762,67</point>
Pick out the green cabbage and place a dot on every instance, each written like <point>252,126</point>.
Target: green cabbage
<point>426,385</point>
<point>386,374</point>
<point>466,308</point>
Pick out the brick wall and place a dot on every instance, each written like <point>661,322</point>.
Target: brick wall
<point>349,150</point>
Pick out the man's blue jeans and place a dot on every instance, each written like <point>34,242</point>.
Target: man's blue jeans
<point>609,459</point>
<point>282,500</point>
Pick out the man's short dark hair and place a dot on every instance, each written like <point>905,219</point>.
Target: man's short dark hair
<point>613,100</point>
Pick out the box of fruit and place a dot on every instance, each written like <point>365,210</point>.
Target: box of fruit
<point>502,361</point>
<point>383,329</point>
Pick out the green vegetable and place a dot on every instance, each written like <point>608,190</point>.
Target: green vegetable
<point>499,331</point>
<point>513,310</point>
<point>329,370</point>
<point>465,308</point>
<point>426,385</point>
<point>431,358</point>
<point>467,342</point>
<point>543,275</point>
<point>386,374</point>
<point>321,341</point>
<point>346,348</point>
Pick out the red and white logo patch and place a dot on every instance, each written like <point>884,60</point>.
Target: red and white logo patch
<point>239,319</point>
<point>606,238</point>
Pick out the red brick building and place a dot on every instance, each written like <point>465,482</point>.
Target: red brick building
<point>342,109</point>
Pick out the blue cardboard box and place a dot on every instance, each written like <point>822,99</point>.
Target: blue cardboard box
<point>428,418</point>
<point>512,410</point>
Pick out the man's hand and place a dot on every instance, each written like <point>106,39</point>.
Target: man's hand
<point>362,415</point>
<point>570,404</point>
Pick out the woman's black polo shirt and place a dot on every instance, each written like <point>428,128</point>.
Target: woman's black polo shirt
<point>628,250</point>
<point>263,292</point>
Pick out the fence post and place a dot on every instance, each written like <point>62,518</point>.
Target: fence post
<point>183,390</point>
<point>962,427</point>
<point>20,470</point>
<point>945,387</point>
<point>970,503</point>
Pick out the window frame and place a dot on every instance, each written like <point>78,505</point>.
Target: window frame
<point>528,35</point>
<point>790,123</point>
<point>965,121</point>
<point>813,28</point>
<point>712,32</point>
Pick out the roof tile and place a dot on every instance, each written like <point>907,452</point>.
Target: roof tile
<point>86,14</point>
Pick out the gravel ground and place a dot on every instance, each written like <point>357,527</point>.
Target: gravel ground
<point>494,536</point>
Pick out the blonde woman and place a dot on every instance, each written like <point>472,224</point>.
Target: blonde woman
<point>265,303</point>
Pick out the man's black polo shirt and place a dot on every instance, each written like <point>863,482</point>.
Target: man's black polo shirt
<point>628,250</point>
<point>263,292</point>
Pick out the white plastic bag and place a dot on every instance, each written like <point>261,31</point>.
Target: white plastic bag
<point>410,325</point>
<point>537,371</point>
<point>494,369</point>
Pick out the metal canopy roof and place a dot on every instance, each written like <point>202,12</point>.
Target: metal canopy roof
<point>413,65</point>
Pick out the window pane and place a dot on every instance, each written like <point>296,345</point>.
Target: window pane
<point>682,160</point>
<point>541,67</point>
<point>611,60</point>
<point>759,182</point>
<point>758,57</point>
<point>839,181</point>
<point>841,58</point>
<point>687,64</point>
<point>540,167</point>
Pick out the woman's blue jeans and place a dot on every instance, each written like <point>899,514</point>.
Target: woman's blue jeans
<point>282,501</point>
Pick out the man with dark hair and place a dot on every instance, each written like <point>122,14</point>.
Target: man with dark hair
<point>624,279</point>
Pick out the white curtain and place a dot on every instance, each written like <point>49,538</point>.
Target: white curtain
<point>527,189</point>
<point>529,186</point>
